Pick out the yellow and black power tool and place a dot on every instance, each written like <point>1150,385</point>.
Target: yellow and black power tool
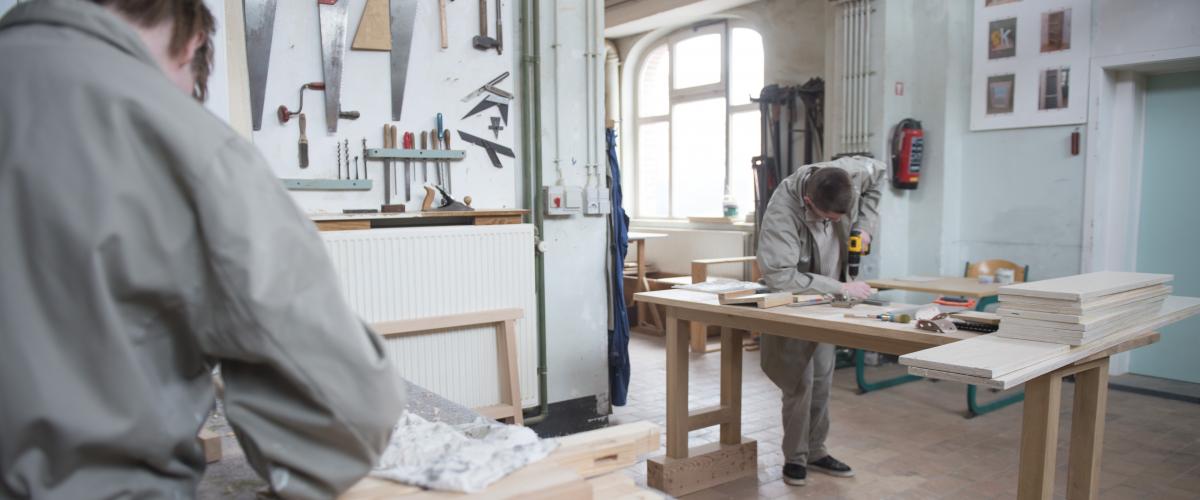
<point>857,249</point>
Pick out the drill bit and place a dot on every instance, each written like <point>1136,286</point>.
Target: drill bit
<point>364,157</point>
<point>339,161</point>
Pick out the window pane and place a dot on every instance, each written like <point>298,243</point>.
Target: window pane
<point>745,65</point>
<point>653,164</point>
<point>698,158</point>
<point>698,61</point>
<point>653,93</point>
<point>744,133</point>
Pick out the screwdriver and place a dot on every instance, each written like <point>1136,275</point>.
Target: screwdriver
<point>424,164</point>
<point>408,145</point>
<point>446,146</point>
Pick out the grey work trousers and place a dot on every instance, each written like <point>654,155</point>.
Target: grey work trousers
<point>806,406</point>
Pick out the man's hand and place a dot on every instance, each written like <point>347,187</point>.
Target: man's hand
<point>856,290</point>
<point>866,238</point>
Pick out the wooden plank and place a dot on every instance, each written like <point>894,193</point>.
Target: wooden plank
<point>1174,309</point>
<point>497,412</point>
<point>343,225</point>
<point>721,260</point>
<point>1087,323</point>
<point>1076,308</point>
<point>761,300</point>
<point>707,466</point>
<point>969,287</point>
<point>510,381</point>
<point>210,442</point>
<point>1017,310</point>
<point>731,385</point>
<point>374,31</point>
<point>985,356</point>
<point>479,212</point>
<point>619,486</point>
<point>707,417</point>
<point>1087,431</point>
<point>1039,438</point>
<point>497,221</point>
<point>1085,287</point>
<point>538,481</point>
<point>602,451</point>
<point>677,387</point>
<point>433,323</point>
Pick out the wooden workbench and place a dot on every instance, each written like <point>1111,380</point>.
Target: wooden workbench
<point>966,287</point>
<point>683,470</point>
<point>346,222</point>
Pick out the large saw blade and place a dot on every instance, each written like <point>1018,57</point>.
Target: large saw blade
<point>260,25</point>
<point>334,15</point>
<point>403,16</point>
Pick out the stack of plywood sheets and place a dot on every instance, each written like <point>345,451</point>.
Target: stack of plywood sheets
<point>1079,309</point>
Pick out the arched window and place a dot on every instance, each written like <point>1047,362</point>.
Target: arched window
<point>696,128</point>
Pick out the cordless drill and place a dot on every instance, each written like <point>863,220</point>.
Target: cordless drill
<point>857,249</point>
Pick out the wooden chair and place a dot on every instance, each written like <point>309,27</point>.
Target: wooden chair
<point>985,267</point>
<point>699,331</point>
<point>505,321</point>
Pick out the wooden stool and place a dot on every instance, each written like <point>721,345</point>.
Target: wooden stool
<point>505,321</point>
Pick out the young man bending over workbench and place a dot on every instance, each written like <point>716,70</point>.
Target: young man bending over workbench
<point>802,248</point>
<point>142,241</point>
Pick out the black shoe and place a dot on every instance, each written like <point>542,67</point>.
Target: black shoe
<point>832,466</point>
<point>794,474</point>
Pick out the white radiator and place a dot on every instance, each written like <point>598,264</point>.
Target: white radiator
<point>405,273</point>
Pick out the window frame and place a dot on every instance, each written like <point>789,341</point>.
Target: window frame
<point>724,28</point>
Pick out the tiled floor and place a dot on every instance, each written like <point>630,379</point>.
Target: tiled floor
<point>911,441</point>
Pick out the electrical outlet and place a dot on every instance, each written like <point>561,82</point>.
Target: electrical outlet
<point>562,200</point>
<point>591,201</point>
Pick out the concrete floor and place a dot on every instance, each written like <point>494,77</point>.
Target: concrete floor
<point>912,441</point>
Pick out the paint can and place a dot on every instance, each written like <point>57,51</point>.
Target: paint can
<point>1005,276</point>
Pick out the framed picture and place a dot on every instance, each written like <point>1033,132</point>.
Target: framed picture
<point>1000,94</point>
<point>1056,30</point>
<point>1053,89</point>
<point>1023,55</point>
<point>1002,38</point>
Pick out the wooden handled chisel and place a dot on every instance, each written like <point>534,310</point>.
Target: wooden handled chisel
<point>303,143</point>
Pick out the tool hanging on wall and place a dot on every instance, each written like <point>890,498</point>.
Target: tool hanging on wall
<point>364,156</point>
<point>490,87</point>
<point>387,165</point>
<point>488,103</point>
<point>442,20</point>
<point>339,160</point>
<point>408,144</point>
<point>333,15</point>
<point>303,143</point>
<point>284,114</point>
<point>499,29</point>
<point>496,128</point>
<point>424,164</point>
<point>346,154</point>
<point>434,143</point>
<point>484,42</point>
<point>446,146</point>
<point>260,26</point>
<point>403,17</point>
<point>493,149</point>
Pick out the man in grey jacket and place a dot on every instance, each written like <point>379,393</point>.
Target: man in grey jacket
<point>802,248</point>
<point>142,242</point>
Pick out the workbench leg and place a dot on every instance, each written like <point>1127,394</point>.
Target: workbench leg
<point>860,376</point>
<point>677,386</point>
<point>1039,437</point>
<point>510,380</point>
<point>731,385</point>
<point>1087,432</point>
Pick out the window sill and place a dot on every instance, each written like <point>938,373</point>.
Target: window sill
<point>686,224</point>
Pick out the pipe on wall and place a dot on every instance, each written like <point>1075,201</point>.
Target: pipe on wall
<point>612,85</point>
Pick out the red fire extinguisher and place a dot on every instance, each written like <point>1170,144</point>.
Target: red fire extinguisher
<point>908,152</point>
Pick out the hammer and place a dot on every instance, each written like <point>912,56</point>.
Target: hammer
<point>484,42</point>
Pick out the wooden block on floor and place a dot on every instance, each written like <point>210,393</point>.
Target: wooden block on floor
<point>211,443</point>
<point>706,466</point>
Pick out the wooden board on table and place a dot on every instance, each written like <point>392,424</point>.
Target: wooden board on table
<point>374,30</point>
<point>761,300</point>
<point>1089,323</point>
<point>985,356</point>
<point>1172,310</point>
<point>1018,330</point>
<point>618,486</point>
<point>1086,287</point>
<point>578,456</point>
<point>1073,312</point>
<point>970,287</point>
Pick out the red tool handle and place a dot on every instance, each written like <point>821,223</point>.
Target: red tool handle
<point>327,2</point>
<point>408,140</point>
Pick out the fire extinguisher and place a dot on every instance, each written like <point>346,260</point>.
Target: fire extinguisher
<point>908,153</point>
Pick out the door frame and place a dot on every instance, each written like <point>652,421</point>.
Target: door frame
<point>1113,172</point>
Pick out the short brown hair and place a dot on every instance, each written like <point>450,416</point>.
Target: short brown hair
<point>188,19</point>
<point>830,190</point>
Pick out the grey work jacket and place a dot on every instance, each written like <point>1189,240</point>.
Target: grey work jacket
<point>142,242</point>
<point>788,255</point>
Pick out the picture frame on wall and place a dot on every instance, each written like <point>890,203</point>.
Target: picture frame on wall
<point>1002,38</point>
<point>1000,96</point>
<point>1056,30</point>
<point>1024,56</point>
